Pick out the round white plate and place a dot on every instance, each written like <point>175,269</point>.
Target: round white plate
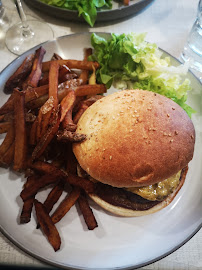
<point>118,242</point>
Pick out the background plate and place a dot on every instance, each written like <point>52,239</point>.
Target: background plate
<point>118,242</point>
<point>119,11</point>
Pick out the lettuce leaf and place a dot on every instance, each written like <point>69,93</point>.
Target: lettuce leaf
<point>85,8</point>
<point>128,61</point>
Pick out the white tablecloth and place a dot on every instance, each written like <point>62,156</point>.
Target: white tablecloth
<point>167,23</point>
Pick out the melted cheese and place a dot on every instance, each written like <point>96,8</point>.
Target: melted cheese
<point>159,191</point>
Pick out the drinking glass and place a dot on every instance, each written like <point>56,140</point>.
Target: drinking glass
<point>4,24</point>
<point>27,33</point>
<point>192,51</point>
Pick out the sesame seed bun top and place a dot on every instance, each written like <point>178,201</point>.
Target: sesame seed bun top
<point>134,138</point>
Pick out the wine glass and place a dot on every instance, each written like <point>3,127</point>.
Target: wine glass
<point>27,33</point>
<point>4,24</point>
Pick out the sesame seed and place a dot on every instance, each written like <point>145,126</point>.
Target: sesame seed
<point>131,130</point>
<point>168,115</point>
<point>171,140</point>
<point>110,157</point>
<point>169,135</point>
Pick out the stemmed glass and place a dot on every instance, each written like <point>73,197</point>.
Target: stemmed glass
<point>4,23</point>
<point>27,33</point>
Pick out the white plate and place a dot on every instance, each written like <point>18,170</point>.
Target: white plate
<point>118,242</point>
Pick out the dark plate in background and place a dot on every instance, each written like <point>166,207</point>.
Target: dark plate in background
<point>118,11</point>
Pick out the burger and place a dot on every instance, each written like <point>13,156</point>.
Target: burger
<point>137,149</point>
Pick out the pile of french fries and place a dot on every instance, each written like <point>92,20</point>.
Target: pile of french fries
<point>39,121</point>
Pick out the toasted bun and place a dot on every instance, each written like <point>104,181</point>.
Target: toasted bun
<point>122,211</point>
<point>134,138</point>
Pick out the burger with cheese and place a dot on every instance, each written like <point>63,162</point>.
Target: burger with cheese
<point>137,151</point>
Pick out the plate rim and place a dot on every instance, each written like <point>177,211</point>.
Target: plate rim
<point>102,16</point>
<point>24,249</point>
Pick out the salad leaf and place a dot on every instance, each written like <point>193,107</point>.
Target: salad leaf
<point>86,8</point>
<point>128,61</point>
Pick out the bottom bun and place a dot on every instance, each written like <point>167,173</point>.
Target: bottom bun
<point>121,211</point>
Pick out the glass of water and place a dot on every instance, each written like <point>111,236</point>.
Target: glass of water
<point>192,51</point>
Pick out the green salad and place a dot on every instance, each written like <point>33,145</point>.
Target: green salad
<point>128,61</point>
<point>86,8</point>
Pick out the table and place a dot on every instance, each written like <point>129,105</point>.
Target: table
<point>167,23</point>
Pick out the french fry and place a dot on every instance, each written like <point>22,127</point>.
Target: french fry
<point>66,205</point>
<point>68,123</point>
<point>25,215</point>
<point>48,136</point>
<point>84,105</point>
<point>66,74</point>
<point>20,131</point>
<point>33,93</point>
<point>54,196</point>
<point>31,180</point>
<point>20,74</point>
<point>42,181</point>
<point>44,116</point>
<point>56,57</point>
<point>44,79</point>
<point>126,2</point>
<point>30,94</point>
<point>8,156</point>
<point>53,82</point>
<point>77,64</point>
<point>85,73</point>
<point>5,126</point>
<point>63,90</point>
<point>7,142</point>
<point>79,113</point>
<point>8,106</point>
<point>29,117</point>
<point>47,225</point>
<point>71,163</point>
<point>32,134</point>
<point>93,89</point>
<point>66,104</point>
<point>81,182</point>
<point>35,75</point>
<point>47,168</point>
<point>87,212</point>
